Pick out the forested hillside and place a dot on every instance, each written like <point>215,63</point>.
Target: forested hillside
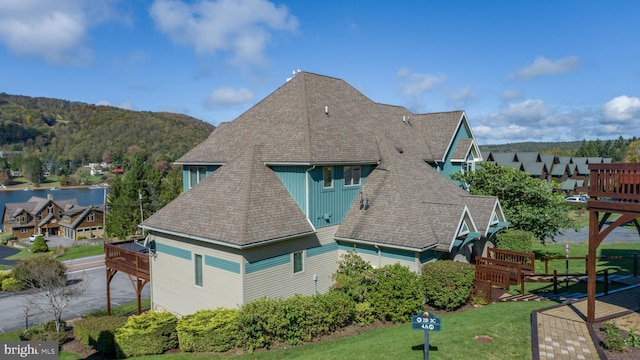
<point>65,132</point>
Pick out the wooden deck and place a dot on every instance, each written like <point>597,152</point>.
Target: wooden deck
<point>613,189</point>
<point>130,258</point>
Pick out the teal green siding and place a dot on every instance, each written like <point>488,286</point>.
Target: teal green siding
<point>329,206</point>
<point>360,248</point>
<point>173,251</point>
<point>223,264</point>
<point>449,167</point>
<point>429,255</point>
<point>319,250</point>
<point>267,263</point>
<point>293,179</point>
<point>398,254</point>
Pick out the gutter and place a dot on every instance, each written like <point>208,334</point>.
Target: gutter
<point>224,243</point>
<point>376,245</point>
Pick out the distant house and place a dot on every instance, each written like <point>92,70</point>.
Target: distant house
<point>35,216</point>
<point>82,222</point>
<point>572,173</point>
<point>273,198</point>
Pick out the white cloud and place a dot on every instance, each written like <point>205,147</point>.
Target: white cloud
<point>464,95</point>
<point>414,84</point>
<point>53,30</point>
<point>510,95</point>
<point>241,28</point>
<point>529,110</point>
<point>225,97</point>
<point>543,66</point>
<point>621,109</point>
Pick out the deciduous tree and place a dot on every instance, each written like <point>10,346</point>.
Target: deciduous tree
<point>529,204</point>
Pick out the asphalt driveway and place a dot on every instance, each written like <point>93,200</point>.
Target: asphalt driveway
<point>6,251</point>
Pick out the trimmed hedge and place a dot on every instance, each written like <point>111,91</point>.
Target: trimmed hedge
<point>265,321</point>
<point>515,240</point>
<point>147,334</point>
<point>397,294</point>
<point>448,283</point>
<point>98,332</point>
<point>209,330</point>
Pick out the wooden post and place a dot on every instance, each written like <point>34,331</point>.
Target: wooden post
<point>591,266</point>
<point>555,281</point>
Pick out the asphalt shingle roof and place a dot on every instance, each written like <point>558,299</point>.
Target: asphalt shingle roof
<point>242,203</point>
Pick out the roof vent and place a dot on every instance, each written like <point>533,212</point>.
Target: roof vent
<point>326,110</point>
<point>399,149</point>
<point>405,119</point>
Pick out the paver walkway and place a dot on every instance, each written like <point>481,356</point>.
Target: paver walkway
<point>562,332</point>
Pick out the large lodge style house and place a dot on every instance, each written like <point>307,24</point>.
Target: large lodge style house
<point>47,216</point>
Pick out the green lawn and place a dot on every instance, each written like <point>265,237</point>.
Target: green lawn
<point>509,324</point>
<point>73,252</point>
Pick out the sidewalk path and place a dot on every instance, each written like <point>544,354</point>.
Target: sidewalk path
<point>561,331</point>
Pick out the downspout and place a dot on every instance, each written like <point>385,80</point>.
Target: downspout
<point>306,192</point>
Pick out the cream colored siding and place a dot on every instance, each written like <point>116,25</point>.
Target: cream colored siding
<point>379,257</point>
<point>271,272</point>
<point>173,282</point>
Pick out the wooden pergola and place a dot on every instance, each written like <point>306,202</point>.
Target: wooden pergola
<point>130,258</point>
<point>613,189</point>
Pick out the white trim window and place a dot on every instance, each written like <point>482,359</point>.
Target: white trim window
<point>298,262</point>
<point>196,174</point>
<point>327,177</point>
<point>352,175</point>
<point>197,262</point>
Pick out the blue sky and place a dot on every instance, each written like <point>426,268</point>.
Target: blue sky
<point>522,70</point>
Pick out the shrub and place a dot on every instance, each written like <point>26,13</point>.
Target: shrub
<point>448,283</point>
<point>364,314</point>
<point>98,332</point>
<point>11,284</point>
<point>5,237</point>
<point>515,240</point>
<point>612,340</point>
<point>147,334</point>
<point>209,330</point>
<point>24,272</point>
<point>336,308</point>
<point>4,274</point>
<point>354,276</point>
<point>39,245</point>
<point>44,332</point>
<point>261,323</point>
<point>397,294</point>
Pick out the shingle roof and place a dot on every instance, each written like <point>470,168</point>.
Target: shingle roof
<point>409,204</point>
<point>242,203</point>
<point>299,119</point>
<point>560,169</point>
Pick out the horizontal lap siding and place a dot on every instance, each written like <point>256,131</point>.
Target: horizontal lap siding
<point>173,283</point>
<point>273,276</point>
<point>382,256</point>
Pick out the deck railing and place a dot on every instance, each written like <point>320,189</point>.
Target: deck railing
<point>618,181</point>
<point>128,261</point>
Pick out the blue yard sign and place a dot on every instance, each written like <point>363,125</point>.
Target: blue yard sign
<point>427,321</point>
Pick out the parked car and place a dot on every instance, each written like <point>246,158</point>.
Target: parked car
<point>581,198</point>
<point>33,237</point>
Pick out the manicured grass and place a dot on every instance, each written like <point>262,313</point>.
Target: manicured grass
<point>508,324</point>
<point>577,253</point>
<point>122,310</point>
<point>77,252</point>
<point>73,252</point>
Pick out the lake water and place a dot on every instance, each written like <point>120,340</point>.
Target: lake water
<point>84,196</point>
